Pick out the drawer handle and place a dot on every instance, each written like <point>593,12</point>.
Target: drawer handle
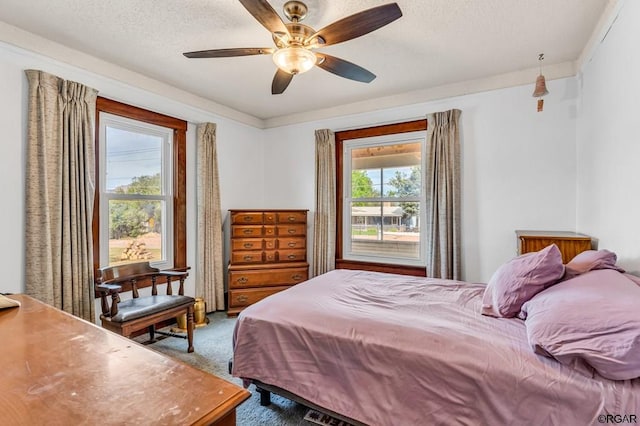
<point>248,258</point>
<point>242,298</point>
<point>248,245</point>
<point>269,218</point>
<point>248,231</point>
<point>292,256</point>
<point>292,218</point>
<point>296,277</point>
<point>292,244</point>
<point>248,218</point>
<point>291,231</point>
<point>242,280</point>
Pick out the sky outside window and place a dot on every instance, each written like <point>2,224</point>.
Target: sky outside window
<point>387,174</point>
<point>129,155</point>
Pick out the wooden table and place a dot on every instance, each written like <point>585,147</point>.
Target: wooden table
<point>57,369</point>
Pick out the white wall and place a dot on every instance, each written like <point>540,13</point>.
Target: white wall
<point>12,122</point>
<point>608,141</point>
<point>518,166</point>
<point>240,161</point>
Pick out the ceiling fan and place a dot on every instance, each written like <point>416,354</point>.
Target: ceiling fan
<point>295,42</point>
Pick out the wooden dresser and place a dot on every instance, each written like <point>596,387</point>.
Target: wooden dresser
<point>268,254</point>
<point>569,243</point>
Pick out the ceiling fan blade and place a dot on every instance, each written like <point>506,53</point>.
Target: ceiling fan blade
<point>264,13</point>
<point>280,82</point>
<point>226,53</point>
<point>344,68</point>
<point>359,24</point>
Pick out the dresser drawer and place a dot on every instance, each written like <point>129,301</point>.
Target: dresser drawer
<point>291,230</point>
<point>246,217</point>
<point>269,217</point>
<point>247,244</point>
<point>291,243</point>
<point>292,217</point>
<point>246,297</point>
<point>270,256</point>
<point>266,278</point>
<point>246,231</point>
<point>292,255</point>
<point>269,231</point>
<point>247,257</point>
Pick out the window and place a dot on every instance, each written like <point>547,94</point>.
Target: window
<point>381,198</point>
<point>136,192</point>
<point>139,214</point>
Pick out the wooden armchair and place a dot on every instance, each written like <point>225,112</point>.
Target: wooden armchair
<point>139,313</point>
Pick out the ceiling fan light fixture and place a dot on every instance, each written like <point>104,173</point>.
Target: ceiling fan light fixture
<point>295,41</point>
<point>294,59</point>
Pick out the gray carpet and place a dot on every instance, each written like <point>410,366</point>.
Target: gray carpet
<point>212,353</point>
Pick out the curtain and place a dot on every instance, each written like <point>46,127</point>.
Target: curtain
<point>324,230</point>
<point>210,268</point>
<point>60,189</point>
<point>442,183</point>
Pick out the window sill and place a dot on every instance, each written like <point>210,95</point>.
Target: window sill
<point>416,271</point>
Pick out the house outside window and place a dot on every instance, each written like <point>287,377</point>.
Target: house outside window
<point>140,208</point>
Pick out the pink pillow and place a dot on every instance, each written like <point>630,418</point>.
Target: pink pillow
<point>520,279</point>
<point>588,261</point>
<point>590,322</point>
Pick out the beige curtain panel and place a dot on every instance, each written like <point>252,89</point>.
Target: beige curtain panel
<point>60,187</point>
<point>324,230</point>
<point>442,184</point>
<point>210,268</point>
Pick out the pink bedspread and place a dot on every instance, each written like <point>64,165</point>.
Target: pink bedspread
<point>388,349</point>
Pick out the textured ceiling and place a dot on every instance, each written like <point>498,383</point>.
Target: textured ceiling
<point>436,43</point>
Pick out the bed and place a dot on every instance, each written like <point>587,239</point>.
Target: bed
<point>385,349</point>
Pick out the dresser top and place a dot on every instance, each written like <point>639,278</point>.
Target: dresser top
<point>551,234</point>
<point>267,210</point>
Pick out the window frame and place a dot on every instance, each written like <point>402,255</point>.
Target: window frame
<point>368,132</point>
<point>165,134</point>
<point>178,176</point>
<point>349,145</point>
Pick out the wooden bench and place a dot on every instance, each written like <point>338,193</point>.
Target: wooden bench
<point>127,317</point>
